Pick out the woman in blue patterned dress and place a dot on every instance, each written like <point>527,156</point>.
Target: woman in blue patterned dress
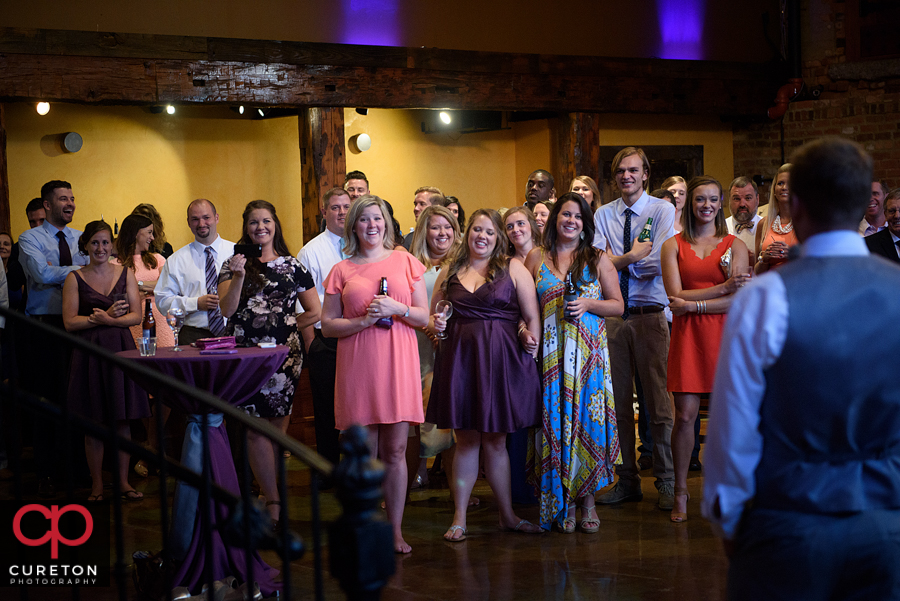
<point>578,446</point>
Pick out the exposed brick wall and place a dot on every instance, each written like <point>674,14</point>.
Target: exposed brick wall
<point>865,111</point>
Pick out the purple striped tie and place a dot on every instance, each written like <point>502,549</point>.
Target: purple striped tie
<point>214,315</point>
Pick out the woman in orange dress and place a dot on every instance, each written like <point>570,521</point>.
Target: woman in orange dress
<point>778,235</point>
<point>700,281</point>
<point>378,383</point>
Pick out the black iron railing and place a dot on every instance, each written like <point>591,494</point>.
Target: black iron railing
<point>360,529</point>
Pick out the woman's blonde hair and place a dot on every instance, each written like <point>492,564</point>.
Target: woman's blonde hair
<point>588,181</point>
<point>359,205</point>
<point>419,245</point>
<point>773,209</point>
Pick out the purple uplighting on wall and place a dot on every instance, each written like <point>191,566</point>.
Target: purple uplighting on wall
<point>371,22</point>
<point>681,28</point>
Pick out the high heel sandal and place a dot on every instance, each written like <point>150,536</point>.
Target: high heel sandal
<point>594,522</point>
<point>677,516</point>
<point>275,524</point>
<point>568,524</point>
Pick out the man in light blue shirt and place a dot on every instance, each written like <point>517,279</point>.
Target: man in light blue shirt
<point>639,338</point>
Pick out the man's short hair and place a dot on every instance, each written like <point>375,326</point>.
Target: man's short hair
<point>832,178</point>
<point>197,201</point>
<point>547,175</point>
<point>355,175</point>
<point>332,193</point>
<point>437,199</point>
<point>48,188</point>
<point>627,152</point>
<point>663,194</point>
<point>892,196</point>
<point>430,189</point>
<point>742,182</point>
<point>885,189</point>
<point>34,204</point>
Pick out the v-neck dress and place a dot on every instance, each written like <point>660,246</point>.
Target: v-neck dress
<point>694,347</point>
<point>98,390</point>
<point>483,379</point>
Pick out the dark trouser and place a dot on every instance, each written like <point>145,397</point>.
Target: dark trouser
<point>641,343</point>
<point>322,363</point>
<point>189,335</point>
<point>791,555</point>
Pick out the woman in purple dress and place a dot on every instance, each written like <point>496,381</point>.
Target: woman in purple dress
<point>97,390</point>
<point>486,383</point>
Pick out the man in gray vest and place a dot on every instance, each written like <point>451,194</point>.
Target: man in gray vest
<point>803,453</point>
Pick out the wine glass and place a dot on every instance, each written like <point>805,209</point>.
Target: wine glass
<point>443,308</point>
<point>175,319</point>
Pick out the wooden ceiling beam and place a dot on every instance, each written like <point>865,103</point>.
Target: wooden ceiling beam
<point>107,68</point>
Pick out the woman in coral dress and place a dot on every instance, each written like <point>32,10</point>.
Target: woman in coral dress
<point>378,383</point>
<point>703,266</point>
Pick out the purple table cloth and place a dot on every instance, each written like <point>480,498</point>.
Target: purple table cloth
<point>234,378</point>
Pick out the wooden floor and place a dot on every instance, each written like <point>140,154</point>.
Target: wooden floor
<point>638,553</point>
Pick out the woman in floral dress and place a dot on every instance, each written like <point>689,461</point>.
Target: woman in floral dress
<point>259,297</point>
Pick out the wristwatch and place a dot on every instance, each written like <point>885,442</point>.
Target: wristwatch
<point>407,311</point>
<point>140,284</point>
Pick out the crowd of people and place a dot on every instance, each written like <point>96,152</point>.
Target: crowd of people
<point>545,317</point>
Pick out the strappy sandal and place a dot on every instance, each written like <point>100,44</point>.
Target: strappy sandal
<point>678,516</point>
<point>568,524</point>
<point>274,520</point>
<point>589,525</point>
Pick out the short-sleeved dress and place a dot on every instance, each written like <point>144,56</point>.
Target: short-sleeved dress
<point>483,379</point>
<point>270,315</point>
<point>578,447</point>
<point>164,335</point>
<point>378,379</point>
<point>694,347</point>
<point>97,390</point>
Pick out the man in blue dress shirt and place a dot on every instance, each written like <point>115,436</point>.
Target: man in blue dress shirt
<point>639,340</point>
<point>803,450</point>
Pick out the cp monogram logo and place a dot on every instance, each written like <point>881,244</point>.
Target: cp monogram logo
<point>53,514</point>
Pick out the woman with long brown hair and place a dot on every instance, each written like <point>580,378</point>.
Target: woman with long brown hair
<point>259,297</point>
<point>522,232</point>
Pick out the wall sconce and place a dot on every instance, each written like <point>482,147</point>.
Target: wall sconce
<point>360,143</point>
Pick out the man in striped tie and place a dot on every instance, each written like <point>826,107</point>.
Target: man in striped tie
<point>189,279</point>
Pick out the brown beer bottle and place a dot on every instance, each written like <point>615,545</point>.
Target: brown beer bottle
<point>148,326</point>
<point>384,322</point>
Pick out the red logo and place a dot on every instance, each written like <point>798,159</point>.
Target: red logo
<point>53,514</point>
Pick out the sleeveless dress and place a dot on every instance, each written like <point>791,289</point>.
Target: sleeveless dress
<point>164,335</point>
<point>789,239</point>
<point>578,447</point>
<point>483,379</point>
<point>377,374</point>
<point>97,390</point>
<point>694,347</point>
<point>270,315</point>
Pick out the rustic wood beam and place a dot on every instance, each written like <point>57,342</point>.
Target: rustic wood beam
<point>578,149</point>
<point>4,175</point>
<point>322,160</point>
<point>112,68</point>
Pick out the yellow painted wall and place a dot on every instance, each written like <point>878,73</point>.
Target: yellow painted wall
<point>131,156</point>
<point>479,169</point>
<point>648,130</point>
<point>532,152</point>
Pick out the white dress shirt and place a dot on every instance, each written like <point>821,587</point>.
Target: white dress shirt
<point>646,284</point>
<point>4,293</point>
<point>182,279</point>
<point>318,257</point>
<point>752,341</point>
<point>747,235</point>
<point>866,229</point>
<point>39,256</point>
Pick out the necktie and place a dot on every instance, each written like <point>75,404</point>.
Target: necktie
<point>214,315</point>
<point>65,254</point>
<point>625,275</point>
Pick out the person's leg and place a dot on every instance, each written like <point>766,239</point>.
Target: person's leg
<point>651,354</point>
<point>413,446</point>
<point>153,437</point>
<point>462,476</point>
<point>695,465</point>
<point>261,454</point>
<point>686,409</point>
<point>645,437</point>
<point>93,448</point>
<point>123,430</point>
<point>392,441</point>
<point>496,469</point>
<point>321,361</point>
<point>620,342</point>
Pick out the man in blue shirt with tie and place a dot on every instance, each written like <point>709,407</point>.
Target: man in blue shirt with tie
<point>48,253</point>
<point>639,340</point>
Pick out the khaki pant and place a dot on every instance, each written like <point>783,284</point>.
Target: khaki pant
<point>641,342</point>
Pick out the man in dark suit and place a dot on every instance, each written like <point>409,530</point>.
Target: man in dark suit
<point>885,242</point>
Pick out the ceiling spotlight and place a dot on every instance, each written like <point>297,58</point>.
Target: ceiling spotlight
<point>363,112</point>
<point>170,109</point>
<point>445,117</point>
<point>241,109</point>
<point>43,108</point>
<point>261,112</point>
